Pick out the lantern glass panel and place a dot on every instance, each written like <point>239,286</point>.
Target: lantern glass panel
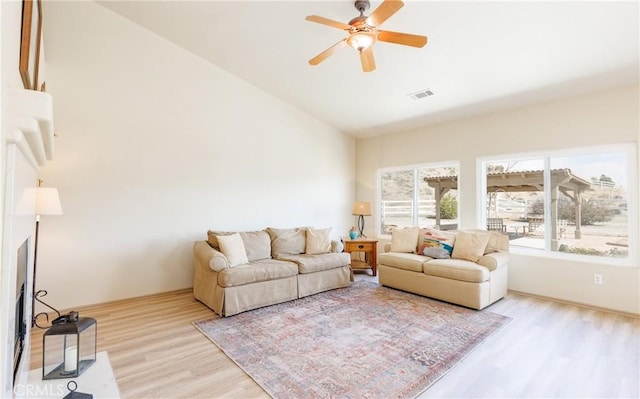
<point>87,345</point>
<point>57,359</point>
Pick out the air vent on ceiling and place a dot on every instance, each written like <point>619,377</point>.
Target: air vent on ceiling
<point>420,94</point>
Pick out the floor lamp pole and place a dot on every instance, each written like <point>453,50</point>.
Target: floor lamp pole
<point>35,262</point>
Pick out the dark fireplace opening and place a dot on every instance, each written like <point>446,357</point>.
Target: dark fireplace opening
<point>21,307</point>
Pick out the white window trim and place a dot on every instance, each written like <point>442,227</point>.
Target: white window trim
<point>632,208</point>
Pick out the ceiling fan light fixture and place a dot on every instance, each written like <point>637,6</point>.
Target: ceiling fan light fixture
<point>360,40</point>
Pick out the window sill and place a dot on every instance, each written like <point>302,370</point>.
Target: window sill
<point>602,260</point>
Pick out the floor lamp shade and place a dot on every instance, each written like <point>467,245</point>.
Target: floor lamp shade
<point>48,201</point>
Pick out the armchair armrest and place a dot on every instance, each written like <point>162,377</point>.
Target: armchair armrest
<point>207,256</point>
<point>494,260</point>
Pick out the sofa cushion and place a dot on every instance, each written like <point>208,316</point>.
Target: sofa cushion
<point>257,244</point>
<point>497,241</point>
<point>318,241</point>
<point>254,272</point>
<point>457,269</point>
<point>319,262</point>
<point>404,240</point>
<point>287,241</point>
<point>232,248</point>
<point>412,262</point>
<point>213,240</point>
<point>470,245</point>
<point>436,238</point>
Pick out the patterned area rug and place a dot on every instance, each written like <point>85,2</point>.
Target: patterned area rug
<point>365,341</point>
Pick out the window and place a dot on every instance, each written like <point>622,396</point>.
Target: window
<point>579,202</point>
<point>409,197</point>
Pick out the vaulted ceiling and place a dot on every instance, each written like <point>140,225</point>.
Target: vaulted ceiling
<point>481,56</point>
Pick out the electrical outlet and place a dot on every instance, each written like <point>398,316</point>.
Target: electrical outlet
<point>597,279</point>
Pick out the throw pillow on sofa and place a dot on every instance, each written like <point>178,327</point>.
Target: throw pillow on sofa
<point>436,253</point>
<point>287,241</point>
<point>497,241</point>
<point>404,240</point>
<point>232,248</point>
<point>257,244</point>
<point>318,241</point>
<point>470,245</point>
<point>213,240</point>
<point>432,238</point>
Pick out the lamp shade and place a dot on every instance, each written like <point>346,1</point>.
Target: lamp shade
<point>362,208</point>
<point>48,201</point>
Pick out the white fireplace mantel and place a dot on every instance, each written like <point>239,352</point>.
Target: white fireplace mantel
<point>30,116</point>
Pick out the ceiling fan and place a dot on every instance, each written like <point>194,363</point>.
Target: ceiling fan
<point>363,32</point>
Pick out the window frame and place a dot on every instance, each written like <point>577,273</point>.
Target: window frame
<point>633,202</point>
<point>416,191</point>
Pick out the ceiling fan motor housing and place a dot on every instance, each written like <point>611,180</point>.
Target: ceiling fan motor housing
<point>362,5</point>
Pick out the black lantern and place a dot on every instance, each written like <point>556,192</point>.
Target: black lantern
<point>69,346</point>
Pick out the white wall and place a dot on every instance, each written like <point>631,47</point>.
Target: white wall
<point>598,118</point>
<point>16,177</point>
<point>155,147</point>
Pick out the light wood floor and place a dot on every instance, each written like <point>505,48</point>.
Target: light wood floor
<point>548,350</point>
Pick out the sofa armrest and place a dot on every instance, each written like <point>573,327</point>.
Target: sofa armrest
<point>207,256</point>
<point>337,246</point>
<point>494,260</point>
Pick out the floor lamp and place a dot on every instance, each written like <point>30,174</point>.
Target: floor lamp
<point>47,203</point>
<point>361,209</point>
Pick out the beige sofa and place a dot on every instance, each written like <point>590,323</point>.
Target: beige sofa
<point>280,265</point>
<point>473,274</point>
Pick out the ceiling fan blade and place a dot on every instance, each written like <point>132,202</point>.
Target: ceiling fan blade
<point>384,11</point>
<point>366,57</point>
<point>327,21</point>
<point>325,54</point>
<point>402,38</point>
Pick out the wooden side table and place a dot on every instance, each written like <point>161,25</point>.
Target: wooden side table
<point>370,249</point>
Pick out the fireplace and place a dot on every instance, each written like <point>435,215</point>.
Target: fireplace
<point>27,124</point>
<point>21,306</point>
